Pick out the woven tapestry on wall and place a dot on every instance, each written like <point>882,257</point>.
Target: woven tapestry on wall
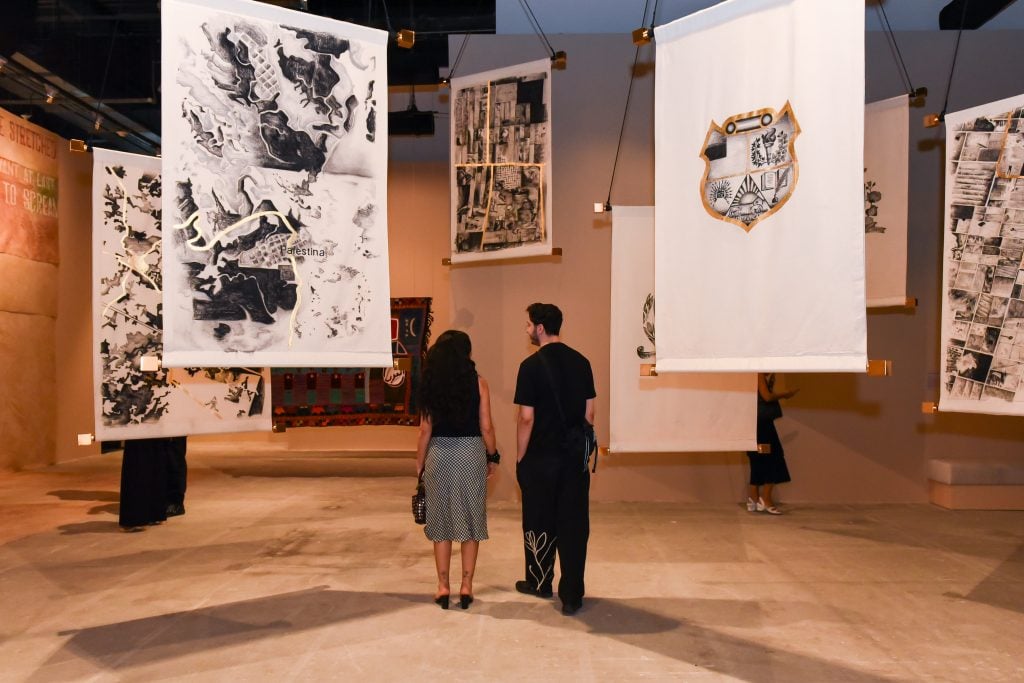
<point>326,397</point>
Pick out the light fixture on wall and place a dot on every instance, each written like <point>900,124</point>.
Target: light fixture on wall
<point>642,36</point>
<point>405,38</point>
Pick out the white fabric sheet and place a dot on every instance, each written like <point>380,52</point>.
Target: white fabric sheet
<point>275,160</point>
<point>501,163</point>
<point>886,141</point>
<point>673,412</point>
<point>760,249</point>
<point>131,403</point>
<point>983,282</point>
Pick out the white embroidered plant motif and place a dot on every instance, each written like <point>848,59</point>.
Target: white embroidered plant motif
<point>540,548</point>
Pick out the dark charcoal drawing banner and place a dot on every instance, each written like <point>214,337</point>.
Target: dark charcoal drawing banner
<point>275,161</point>
<point>128,323</point>
<point>325,397</point>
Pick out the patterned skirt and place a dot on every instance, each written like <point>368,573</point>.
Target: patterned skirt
<point>455,479</point>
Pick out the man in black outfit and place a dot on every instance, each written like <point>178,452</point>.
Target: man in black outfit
<point>554,391</point>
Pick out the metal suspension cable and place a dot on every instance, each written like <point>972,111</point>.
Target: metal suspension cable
<point>532,18</point>
<point>952,67</point>
<point>625,109</point>
<point>891,39</point>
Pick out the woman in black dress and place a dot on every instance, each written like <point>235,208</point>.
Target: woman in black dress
<point>767,469</point>
<point>455,455</point>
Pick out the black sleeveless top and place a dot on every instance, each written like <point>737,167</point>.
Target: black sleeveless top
<point>468,426</point>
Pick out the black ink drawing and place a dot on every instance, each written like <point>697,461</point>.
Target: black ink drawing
<point>277,178</point>
<point>501,162</point>
<point>129,326</point>
<point>984,318</point>
<point>872,196</point>
<point>647,323</point>
<point>751,166</point>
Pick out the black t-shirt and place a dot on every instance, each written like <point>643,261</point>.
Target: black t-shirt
<point>574,381</point>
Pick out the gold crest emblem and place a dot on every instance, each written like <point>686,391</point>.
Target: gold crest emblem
<point>750,166</point>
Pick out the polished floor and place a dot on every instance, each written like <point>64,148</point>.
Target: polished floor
<point>308,567</point>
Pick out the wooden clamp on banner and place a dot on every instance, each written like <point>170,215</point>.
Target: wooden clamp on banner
<point>555,251</point>
<point>403,363</point>
<point>879,368</point>
<point>764,448</point>
<point>86,439</point>
<point>278,428</point>
<point>929,407</point>
<point>648,370</point>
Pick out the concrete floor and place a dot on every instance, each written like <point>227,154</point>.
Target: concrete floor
<point>308,567</point>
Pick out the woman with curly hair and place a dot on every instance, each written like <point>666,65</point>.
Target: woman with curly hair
<point>455,455</point>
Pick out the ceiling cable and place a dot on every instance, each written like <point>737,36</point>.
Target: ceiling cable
<point>458,57</point>
<point>532,18</point>
<point>952,67</point>
<point>625,109</point>
<point>898,54</point>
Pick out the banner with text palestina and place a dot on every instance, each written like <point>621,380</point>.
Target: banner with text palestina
<point>982,359</point>
<point>501,163</point>
<point>133,401</point>
<point>886,143</point>
<point>671,412</point>
<point>759,232</point>
<point>275,150</point>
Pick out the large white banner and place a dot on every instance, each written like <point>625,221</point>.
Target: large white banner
<point>983,281</point>
<point>132,403</point>
<point>673,412</point>
<point>275,159</point>
<point>501,163</point>
<point>759,187</point>
<point>886,144</point>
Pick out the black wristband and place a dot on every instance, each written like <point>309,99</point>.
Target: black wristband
<point>494,457</point>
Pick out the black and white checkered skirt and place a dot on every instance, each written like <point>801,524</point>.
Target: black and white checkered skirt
<point>455,478</point>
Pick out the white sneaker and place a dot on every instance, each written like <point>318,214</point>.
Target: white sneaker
<point>751,505</point>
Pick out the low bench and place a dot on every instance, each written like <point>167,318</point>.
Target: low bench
<point>981,483</point>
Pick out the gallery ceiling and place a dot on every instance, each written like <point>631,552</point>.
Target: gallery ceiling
<point>100,59</point>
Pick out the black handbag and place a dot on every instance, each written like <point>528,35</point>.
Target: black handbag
<point>419,502</point>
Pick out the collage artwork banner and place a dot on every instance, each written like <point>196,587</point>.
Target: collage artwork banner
<point>28,178</point>
<point>886,183</point>
<point>983,279</point>
<point>128,323</point>
<point>673,412</point>
<point>326,397</point>
<point>501,163</point>
<point>759,188</point>
<point>275,150</point>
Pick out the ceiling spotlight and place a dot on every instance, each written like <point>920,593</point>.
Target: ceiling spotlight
<point>51,94</point>
<point>558,60</point>
<point>122,133</point>
<point>98,123</point>
<point>3,63</point>
<point>642,36</point>
<point>405,38</point>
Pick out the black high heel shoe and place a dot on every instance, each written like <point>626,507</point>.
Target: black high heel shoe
<point>442,600</point>
<point>465,601</point>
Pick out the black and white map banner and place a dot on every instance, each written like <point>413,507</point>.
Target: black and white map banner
<point>759,228</point>
<point>983,280</point>
<point>130,402</point>
<point>673,412</point>
<point>886,144</point>
<point>275,161</point>
<point>501,163</point>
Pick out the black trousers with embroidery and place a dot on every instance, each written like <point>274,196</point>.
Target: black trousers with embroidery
<point>556,519</point>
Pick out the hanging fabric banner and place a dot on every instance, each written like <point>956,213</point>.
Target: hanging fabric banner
<point>275,160</point>
<point>759,188</point>
<point>501,163</point>
<point>131,400</point>
<point>886,146</point>
<point>983,280</point>
<point>672,412</point>
<point>28,178</point>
